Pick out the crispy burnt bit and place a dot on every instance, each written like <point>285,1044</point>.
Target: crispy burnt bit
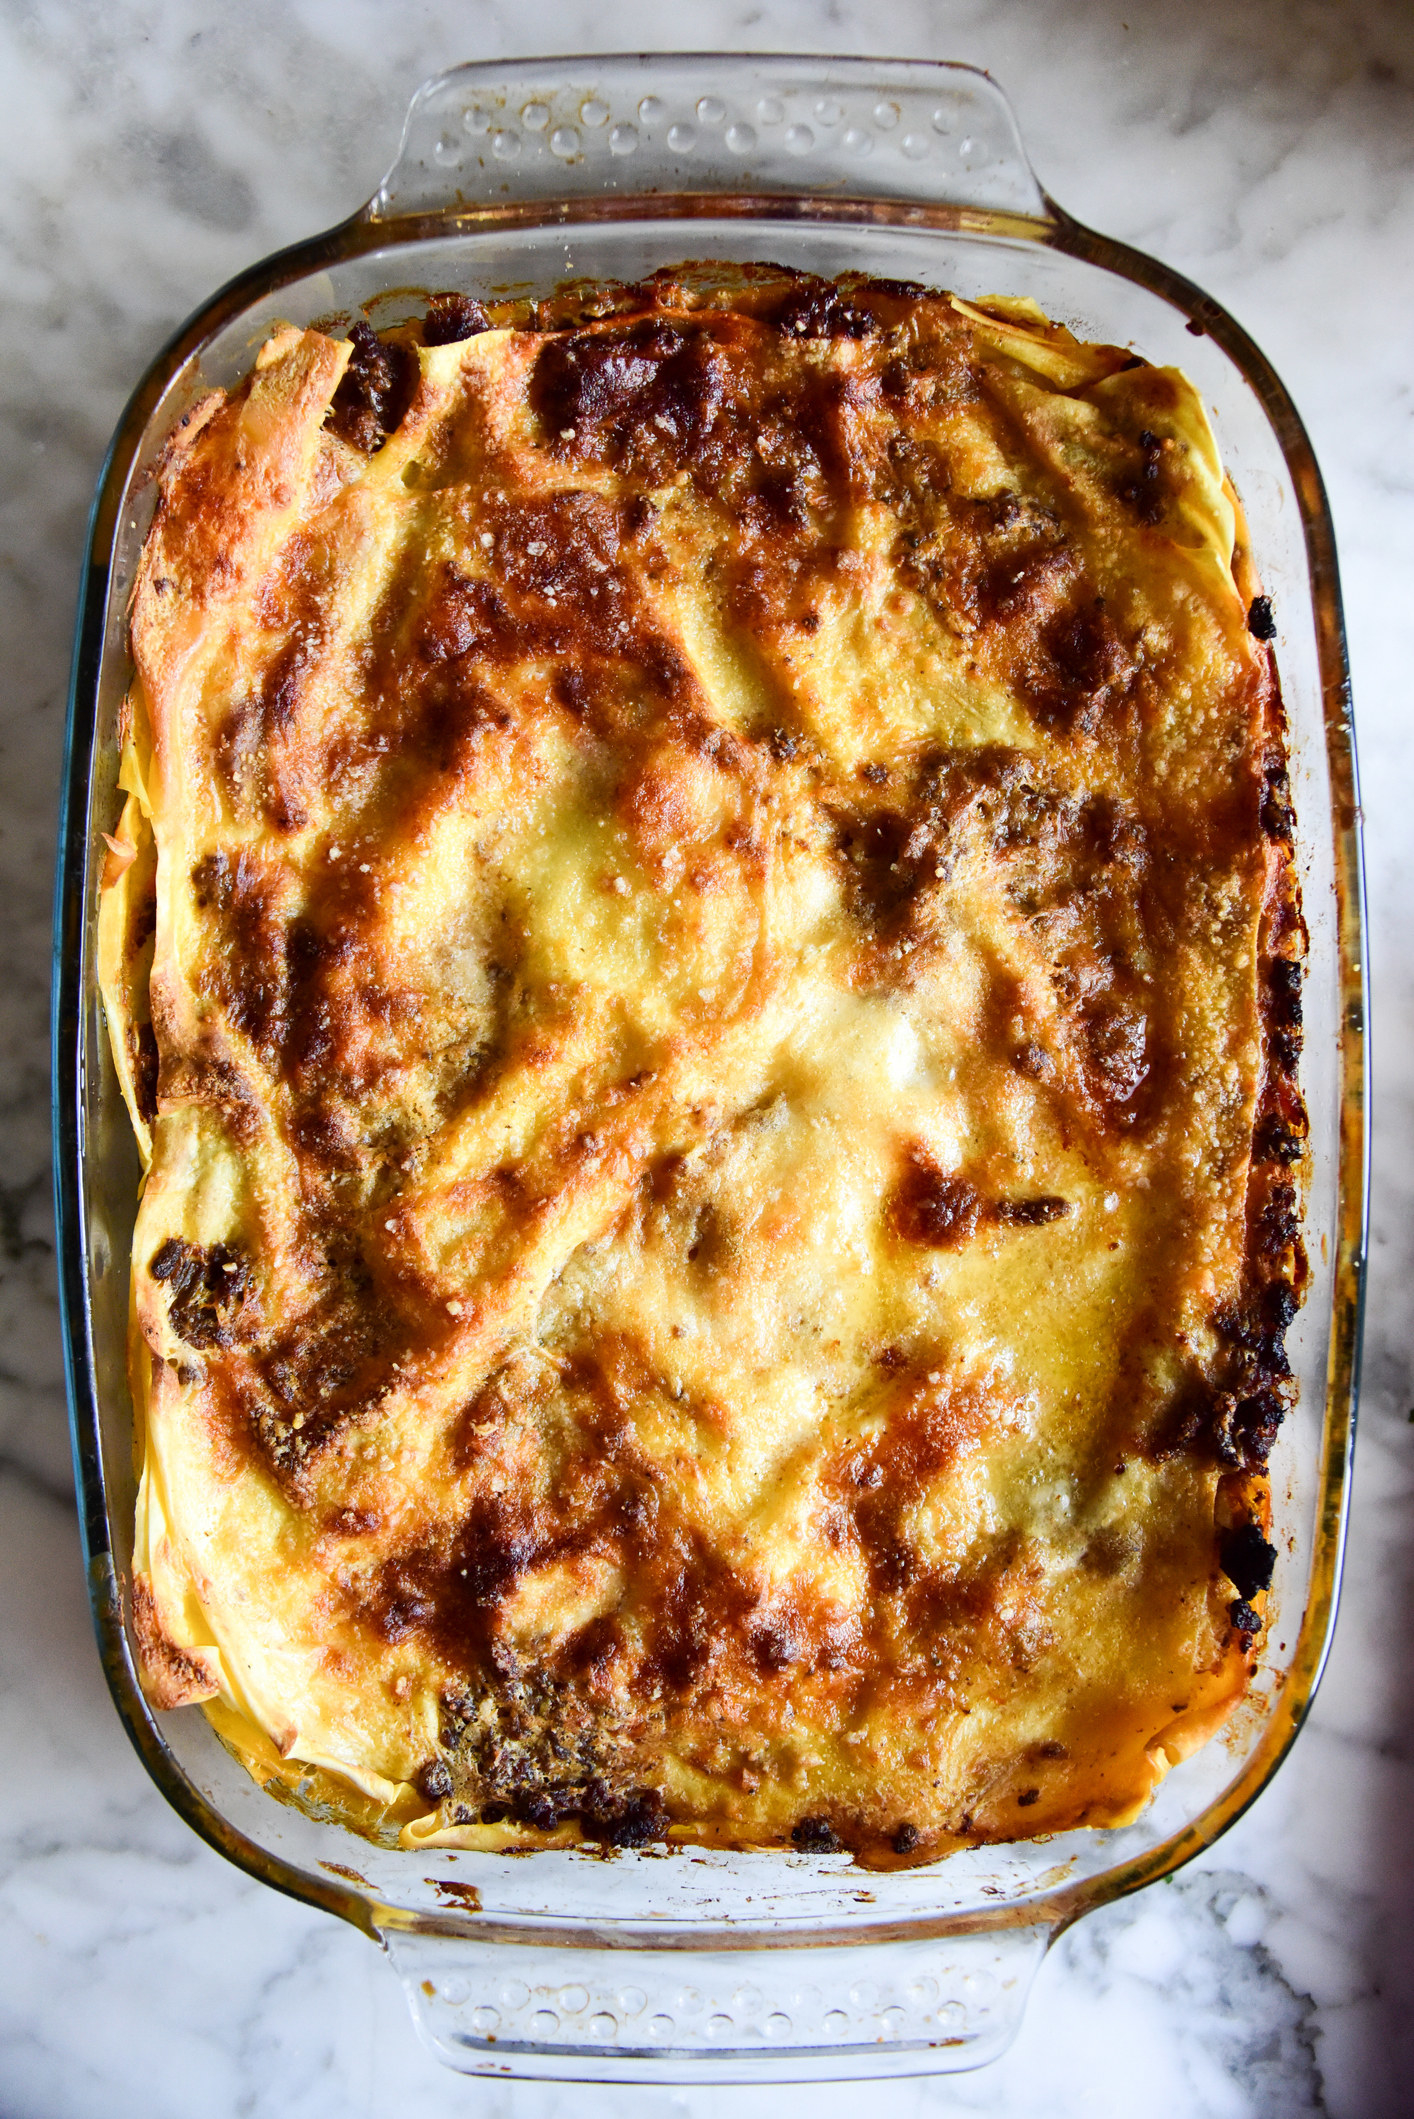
<point>934,1207</point>
<point>1248,1559</point>
<point>825,309</point>
<point>1234,1414</point>
<point>1144,492</point>
<point>374,391</point>
<point>1239,1413</point>
<point>453,317</point>
<point>1280,1136</point>
<point>434,1780</point>
<point>816,1835</point>
<point>1278,819</point>
<point>944,1210</point>
<point>206,1285</point>
<point>1246,1622</point>
<point>1261,621</point>
<point>1031,1213</point>
<point>1285,976</point>
<point>144,1060</point>
<point>765,293</point>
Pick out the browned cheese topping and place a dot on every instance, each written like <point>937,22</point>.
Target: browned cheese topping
<point>704,951</point>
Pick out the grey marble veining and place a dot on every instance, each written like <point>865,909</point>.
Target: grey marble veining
<point>148,152</point>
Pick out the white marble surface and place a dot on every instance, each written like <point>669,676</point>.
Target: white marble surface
<point>148,151</point>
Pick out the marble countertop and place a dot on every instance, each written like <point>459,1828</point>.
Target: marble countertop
<point>1264,147</point>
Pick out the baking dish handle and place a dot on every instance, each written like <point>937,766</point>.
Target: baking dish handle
<point>937,136</point>
<point>780,2014</point>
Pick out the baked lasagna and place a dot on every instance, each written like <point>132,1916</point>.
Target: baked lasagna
<point>705,955</point>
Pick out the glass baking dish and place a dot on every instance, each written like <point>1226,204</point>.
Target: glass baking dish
<point>693,1965</point>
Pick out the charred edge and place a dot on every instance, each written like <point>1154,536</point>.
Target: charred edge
<point>1283,1013</point>
<point>374,391</point>
<point>826,311</point>
<point>768,292</point>
<point>451,318</point>
<point>1237,1419</point>
<point>143,1054</point>
<point>1236,1415</point>
<point>1280,1138</point>
<point>1278,819</point>
<point>669,392</point>
<point>171,1677</point>
<point>610,392</point>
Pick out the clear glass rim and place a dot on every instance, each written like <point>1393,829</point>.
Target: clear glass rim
<point>374,228</point>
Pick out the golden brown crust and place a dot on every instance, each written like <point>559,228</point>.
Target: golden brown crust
<point>172,1676</point>
<point>724,931</point>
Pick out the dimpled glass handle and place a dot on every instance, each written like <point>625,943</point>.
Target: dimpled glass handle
<point>498,138</point>
<point>778,2014</point>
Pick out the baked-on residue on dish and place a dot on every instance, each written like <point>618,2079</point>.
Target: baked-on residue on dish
<point>705,954</point>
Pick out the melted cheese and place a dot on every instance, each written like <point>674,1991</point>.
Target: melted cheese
<point>690,946</point>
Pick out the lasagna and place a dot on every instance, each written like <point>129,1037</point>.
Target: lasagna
<point>704,950</point>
